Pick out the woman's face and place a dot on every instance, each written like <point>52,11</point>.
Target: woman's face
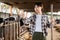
<point>38,9</point>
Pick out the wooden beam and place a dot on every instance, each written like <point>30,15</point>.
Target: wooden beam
<point>10,10</point>
<point>24,4</point>
<point>23,1</point>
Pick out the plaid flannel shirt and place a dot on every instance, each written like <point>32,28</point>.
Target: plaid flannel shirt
<point>44,21</point>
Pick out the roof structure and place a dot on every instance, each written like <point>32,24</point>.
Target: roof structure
<point>28,5</point>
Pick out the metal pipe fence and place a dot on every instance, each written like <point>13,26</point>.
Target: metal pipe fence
<point>11,30</point>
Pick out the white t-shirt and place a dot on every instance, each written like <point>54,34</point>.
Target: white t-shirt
<point>38,27</point>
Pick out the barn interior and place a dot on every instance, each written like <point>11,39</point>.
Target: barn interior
<point>11,24</point>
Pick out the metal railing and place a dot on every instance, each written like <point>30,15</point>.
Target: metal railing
<point>11,30</point>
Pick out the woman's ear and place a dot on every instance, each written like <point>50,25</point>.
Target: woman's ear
<point>42,6</point>
<point>35,9</point>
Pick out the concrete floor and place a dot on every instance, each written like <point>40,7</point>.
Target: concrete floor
<point>56,35</point>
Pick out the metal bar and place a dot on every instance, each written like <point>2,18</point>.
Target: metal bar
<point>17,30</point>
<point>51,22</point>
<point>14,31</point>
<point>11,31</point>
<point>6,32</point>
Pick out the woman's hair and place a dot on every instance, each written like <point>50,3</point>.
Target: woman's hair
<point>38,4</point>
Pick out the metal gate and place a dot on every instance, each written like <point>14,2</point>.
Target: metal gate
<point>11,30</point>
